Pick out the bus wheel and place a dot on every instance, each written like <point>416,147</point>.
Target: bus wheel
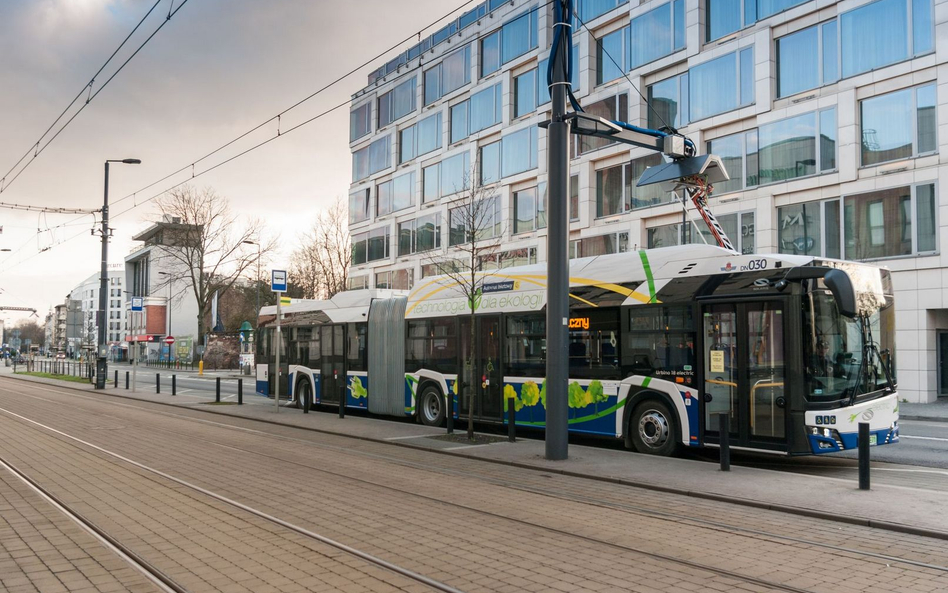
<point>305,395</point>
<point>653,429</point>
<point>431,406</point>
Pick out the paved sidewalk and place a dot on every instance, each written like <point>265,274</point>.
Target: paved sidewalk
<point>937,410</point>
<point>898,508</point>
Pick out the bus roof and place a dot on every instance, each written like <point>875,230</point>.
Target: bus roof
<point>343,307</point>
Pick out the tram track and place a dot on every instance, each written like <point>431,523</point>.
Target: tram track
<point>563,496</point>
<point>362,555</point>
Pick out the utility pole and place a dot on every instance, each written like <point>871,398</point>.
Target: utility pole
<point>557,299</point>
<point>101,364</point>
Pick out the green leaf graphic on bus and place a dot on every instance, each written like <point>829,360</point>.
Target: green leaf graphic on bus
<point>530,394</point>
<point>357,390</point>
<point>475,303</point>
<point>580,398</point>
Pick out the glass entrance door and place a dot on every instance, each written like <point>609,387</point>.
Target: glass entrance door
<point>485,376</point>
<point>332,372</point>
<point>744,346</point>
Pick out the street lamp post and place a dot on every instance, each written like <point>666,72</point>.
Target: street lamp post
<point>101,364</point>
<point>257,282</point>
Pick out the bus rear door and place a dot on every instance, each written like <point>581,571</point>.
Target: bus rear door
<point>332,368</point>
<point>744,373</point>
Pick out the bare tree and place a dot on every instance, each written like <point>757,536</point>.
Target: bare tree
<point>205,246</point>
<point>320,265</point>
<point>474,215</point>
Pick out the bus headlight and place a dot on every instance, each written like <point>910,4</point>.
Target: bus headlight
<point>828,433</point>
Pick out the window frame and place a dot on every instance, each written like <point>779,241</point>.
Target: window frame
<point>389,97</point>
<point>466,50</point>
<point>913,208</point>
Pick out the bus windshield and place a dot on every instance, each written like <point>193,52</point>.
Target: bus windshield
<point>844,358</point>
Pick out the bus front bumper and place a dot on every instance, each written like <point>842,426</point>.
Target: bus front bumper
<point>838,430</point>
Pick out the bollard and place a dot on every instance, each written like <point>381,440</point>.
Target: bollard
<point>724,432</point>
<point>217,397</point>
<point>116,380</point>
<point>511,420</point>
<point>342,404</point>
<point>126,380</point>
<point>864,456</point>
<point>449,411</point>
<point>157,382</point>
<point>240,392</point>
<point>174,385</point>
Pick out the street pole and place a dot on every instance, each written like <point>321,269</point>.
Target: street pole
<point>257,320</point>
<point>557,305</point>
<point>101,365</point>
<point>279,342</point>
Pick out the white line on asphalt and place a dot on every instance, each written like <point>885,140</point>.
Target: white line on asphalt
<point>918,471</point>
<point>904,436</point>
<point>464,447</point>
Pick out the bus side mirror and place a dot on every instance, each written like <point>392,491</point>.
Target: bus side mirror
<point>842,288</point>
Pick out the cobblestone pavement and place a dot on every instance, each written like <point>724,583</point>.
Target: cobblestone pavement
<point>475,526</point>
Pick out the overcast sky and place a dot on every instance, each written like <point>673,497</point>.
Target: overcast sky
<point>217,69</point>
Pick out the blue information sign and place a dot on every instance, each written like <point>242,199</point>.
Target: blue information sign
<point>278,281</point>
<point>137,303</point>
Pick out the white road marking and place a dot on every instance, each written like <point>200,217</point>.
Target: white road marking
<point>903,436</point>
<point>464,447</point>
<point>411,436</point>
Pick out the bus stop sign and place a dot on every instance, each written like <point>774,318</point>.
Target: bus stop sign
<point>278,281</point>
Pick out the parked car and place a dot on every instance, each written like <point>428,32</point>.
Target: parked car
<point>61,356</point>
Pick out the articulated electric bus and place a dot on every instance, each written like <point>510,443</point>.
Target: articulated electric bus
<point>795,350</point>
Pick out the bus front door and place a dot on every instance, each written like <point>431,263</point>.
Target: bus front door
<point>487,377</point>
<point>744,346</point>
<point>332,372</point>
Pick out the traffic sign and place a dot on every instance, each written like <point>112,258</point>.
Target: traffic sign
<point>169,340</point>
<point>278,281</point>
<point>138,303</point>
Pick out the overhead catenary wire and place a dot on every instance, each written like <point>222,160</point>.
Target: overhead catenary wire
<point>47,209</point>
<point>39,146</point>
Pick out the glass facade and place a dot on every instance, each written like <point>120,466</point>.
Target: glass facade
<point>371,159</point>
<point>481,111</point>
<point>727,16</point>
<point>395,194</point>
<point>360,121</point>
<point>612,108</point>
<point>880,224</point>
<point>612,55</point>
<point>616,190</point>
<point>586,10</point>
<point>420,234</point>
<point>419,139</point>
<point>512,40</point>
<point>599,245</point>
<point>359,206</point>
<point>448,177</point>
<point>484,216</point>
<point>529,209</point>
<point>371,245</point>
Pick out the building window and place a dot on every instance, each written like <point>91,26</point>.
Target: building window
<point>721,85</point>
<point>421,234</point>
<point>514,39</point>
<point>487,221</point>
<point>360,121</point>
<point>453,72</point>
<point>669,102</point>
<point>395,194</point>
<point>740,229</point>
<point>802,228</point>
<point>574,197</point>
<point>668,235</point>
<point>450,176</point>
<point>359,204</point>
<point>489,163</point>
<point>877,34</point>
<point>530,209</point>
<point>531,89</point>
<point>508,259</point>
<point>481,111</point>
<point>898,125</point>
<point>616,190</point>
<point>419,139</point>
<point>601,245</point>
<point>357,282</point>
<point>807,59</point>
<point>779,151</point>
<point>587,10</point>
<point>397,103</point>
<point>371,245</point>
<point>614,109</point>
<point>890,223</point>
<point>371,159</point>
<point>657,33</point>
<point>395,279</point>
<point>612,55</point>
<point>726,16</point>
<point>518,151</point>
